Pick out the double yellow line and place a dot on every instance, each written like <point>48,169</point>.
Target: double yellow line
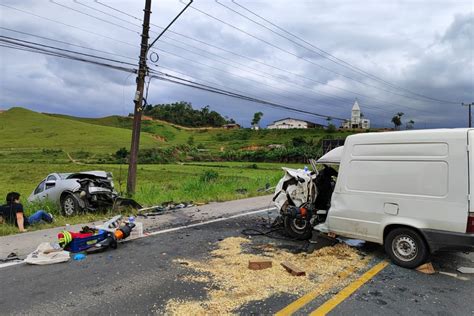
<point>338,298</point>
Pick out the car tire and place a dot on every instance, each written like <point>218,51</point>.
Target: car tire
<point>300,229</point>
<point>69,205</point>
<point>406,247</point>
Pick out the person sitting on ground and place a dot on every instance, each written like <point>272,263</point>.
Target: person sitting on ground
<point>13,213</point>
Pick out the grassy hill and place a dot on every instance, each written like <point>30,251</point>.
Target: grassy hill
<point>22,129</point>
<point>213,139</point>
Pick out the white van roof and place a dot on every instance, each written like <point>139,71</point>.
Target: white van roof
<point>409,136</point>
<point>333,156</point>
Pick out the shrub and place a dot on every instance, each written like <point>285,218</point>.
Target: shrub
<point>209,176</point>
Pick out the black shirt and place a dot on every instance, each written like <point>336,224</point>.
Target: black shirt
<point>9,213</point>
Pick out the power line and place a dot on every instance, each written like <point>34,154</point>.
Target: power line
<point>93,16</point>
<point>28,48</point>
<point>97,34</point>
<point>342,100</point>
<point>295,55</point>
<point>321,52</point>
<point>13,40</point>
<point>68,25</point>
<point>197,85</point>
<point>66,43</point>
<point>249,58</point>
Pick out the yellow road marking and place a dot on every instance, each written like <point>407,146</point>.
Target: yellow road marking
<point>305,299</point>
<point>348,290</point>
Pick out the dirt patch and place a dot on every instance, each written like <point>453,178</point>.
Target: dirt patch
<point>252,147</point>
<point>159,138</point>
<point>232,285</point>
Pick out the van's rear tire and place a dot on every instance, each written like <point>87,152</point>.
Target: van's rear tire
<point>406,247</point>
<point>300,229</point>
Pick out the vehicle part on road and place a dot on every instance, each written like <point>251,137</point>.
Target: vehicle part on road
<point>11,257</point>
<point>454,275</point>
<point>466,270</point>
<point>426,268</point>
<point>406,247</point>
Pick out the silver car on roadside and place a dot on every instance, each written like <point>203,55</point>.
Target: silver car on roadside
<point>77,192</point>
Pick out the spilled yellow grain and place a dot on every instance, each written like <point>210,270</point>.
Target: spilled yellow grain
<point>234,285</point>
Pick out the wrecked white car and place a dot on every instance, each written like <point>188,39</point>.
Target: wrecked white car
<point>79,192</point>
<point>303,197</point>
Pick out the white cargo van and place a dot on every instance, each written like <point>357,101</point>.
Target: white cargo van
<point>409,191</point>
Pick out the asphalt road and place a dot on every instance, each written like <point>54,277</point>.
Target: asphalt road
<point>140,277</point>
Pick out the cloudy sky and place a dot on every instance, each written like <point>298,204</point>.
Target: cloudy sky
<point>415,57</point>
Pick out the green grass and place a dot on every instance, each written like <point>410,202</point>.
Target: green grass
<point>25,130</point>
<point>32,145</point>
<point>155,183</point>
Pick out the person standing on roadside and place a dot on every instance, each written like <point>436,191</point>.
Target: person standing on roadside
<point>13,213</point>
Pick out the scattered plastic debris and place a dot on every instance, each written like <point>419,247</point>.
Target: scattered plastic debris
<point>79,256</point>
<point>352,242</point>
<point>454,275</point>
<point>466,270</point>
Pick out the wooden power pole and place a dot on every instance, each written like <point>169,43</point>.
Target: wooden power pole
<point>137,115</point>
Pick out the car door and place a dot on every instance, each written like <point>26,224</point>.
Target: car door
<point>39,193</point>
<point>52,187</point>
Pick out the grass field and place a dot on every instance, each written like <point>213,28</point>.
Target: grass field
<point>25,130</point>
<point>32,145</point>
<point>156,183</point>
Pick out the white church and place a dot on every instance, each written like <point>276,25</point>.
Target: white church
<point>357,120</point>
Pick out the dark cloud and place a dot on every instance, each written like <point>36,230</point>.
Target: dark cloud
<point>423,46</point>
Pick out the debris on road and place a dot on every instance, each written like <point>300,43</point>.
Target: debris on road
<point>79,256</point>
<point>454,275</point>
<point>466,270</point>
<point>11,257</point>
<point>163,208</point>
<point>426,268</point>
<point>47,253</point>
<point>234,284</point>
<point>96,239</point>
<point>294,270</point>
<point>259,264</point>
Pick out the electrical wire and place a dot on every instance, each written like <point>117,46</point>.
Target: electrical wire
<point>328,55</point>
<point>17,40</point>
<point>23,47</point>
<point>253,59</point>
<point>295,55</point>
<point>66,43</point>
<point>200,86</point>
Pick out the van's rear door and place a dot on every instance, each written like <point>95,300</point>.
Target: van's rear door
<point>470,161</point>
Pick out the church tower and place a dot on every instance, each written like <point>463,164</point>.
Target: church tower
<point>355,117</point>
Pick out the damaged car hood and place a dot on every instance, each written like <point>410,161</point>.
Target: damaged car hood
<point>89,174</point>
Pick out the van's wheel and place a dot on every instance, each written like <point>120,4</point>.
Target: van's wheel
<point>406,247</point>
<point>69,205</point>
<point>297,228</point>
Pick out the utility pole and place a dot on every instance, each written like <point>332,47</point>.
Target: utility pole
<point>470,117</point>
<point>137,115</point>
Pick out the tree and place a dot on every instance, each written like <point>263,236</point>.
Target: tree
<point>397,120</point>
<point>410,124</point>
<point>256,118</point>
